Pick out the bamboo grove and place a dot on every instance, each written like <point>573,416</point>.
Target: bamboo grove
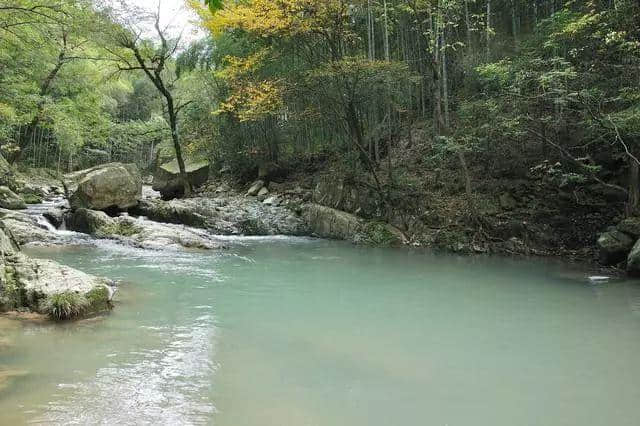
<point>494,86</point>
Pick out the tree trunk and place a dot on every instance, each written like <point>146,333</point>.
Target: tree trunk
<point>386,33</point>
<point>634,188</point>
<point>445,83</point>
<point>173,123</point>
<point>488,31</point>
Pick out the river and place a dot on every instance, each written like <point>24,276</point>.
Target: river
<point>287,331</point>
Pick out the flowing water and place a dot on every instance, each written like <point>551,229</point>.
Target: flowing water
<point>281,331</point>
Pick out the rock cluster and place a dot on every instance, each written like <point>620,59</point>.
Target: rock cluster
<point>621,244</point>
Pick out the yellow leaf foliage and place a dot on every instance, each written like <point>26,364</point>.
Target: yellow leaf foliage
<point>280,17</point>
<point>252,101</point>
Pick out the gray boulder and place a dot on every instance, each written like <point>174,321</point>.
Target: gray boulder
<point>630,226</point>
<point>255,188</point>
<point>25,228</point>
<point>10,200</point>
<point>139,232</point>
<point>89,221</point>
<point>326,222</point>
<point>166,178</point>
<point>55,216</point>
<point>342,195</point>
<point>633,261</point>
<point>614,246</point>
<point>28,283</point>
<point>113,185</point>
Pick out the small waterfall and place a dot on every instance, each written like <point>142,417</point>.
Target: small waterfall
<point>44,223</point>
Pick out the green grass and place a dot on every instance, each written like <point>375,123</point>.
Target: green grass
<point>98,299</point>
<point>65,306</point>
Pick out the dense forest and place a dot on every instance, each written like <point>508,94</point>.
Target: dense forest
<point>464,123</point>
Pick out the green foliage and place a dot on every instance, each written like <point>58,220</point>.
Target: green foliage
<point>377,234</point>
<point>65,306</point>
<point>98,299</point>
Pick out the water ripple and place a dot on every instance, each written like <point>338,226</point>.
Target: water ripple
<point>164,386</point>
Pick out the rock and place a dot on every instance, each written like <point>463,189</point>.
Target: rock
<point>271,201</point>
<point>341,195</point>
<point>380,234</point>
<point>630,226</point>
<point>10,200</point>
<point>25,228</point>
<point>7,177</point>
<point>26,282</point>
<point>633,260</point>
<point>54,216</point>
<point>614,246</point>
<point>173,211</point>
<point>89,221</point>
<point>263,193</point>
<point>255,188</point>
<point>166,178</point>
<point>140,232</point>
<point>160,236</point>
<point>31,198</point>
<point>231,215</point>
<point>326,222</point>
<point>113,185</point>
<point>507,202</point>
<point>222,188</point>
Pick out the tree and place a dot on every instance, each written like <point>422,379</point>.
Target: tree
<point>154,60</point>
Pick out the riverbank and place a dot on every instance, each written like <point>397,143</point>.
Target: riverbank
<point>320,204</point>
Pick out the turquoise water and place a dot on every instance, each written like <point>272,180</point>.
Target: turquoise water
<point>279,331</point>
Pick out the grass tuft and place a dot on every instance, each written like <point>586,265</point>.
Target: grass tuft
<point>65,306</point>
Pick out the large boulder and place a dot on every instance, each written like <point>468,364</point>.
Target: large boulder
<point>10,200</point>
<point>326,222</point>
<point>614,246</point>
<point>166,178</point>
<point>108,186</point>
<point>342,195</point>
<point>32,283</point>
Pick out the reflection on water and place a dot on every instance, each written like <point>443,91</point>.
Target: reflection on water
<point>159,386</point>
<point>279,331</point>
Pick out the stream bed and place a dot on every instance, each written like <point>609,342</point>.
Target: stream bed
<point>292,331</point>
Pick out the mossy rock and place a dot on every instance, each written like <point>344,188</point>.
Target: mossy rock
<point>380,234</point>
<point>31,198</point>
<point>121,228</point>
<point>10,200</point>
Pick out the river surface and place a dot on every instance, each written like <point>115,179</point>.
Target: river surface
<point>282,331</point>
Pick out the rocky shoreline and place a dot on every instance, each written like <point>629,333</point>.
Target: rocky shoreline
<point>110,202</point>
